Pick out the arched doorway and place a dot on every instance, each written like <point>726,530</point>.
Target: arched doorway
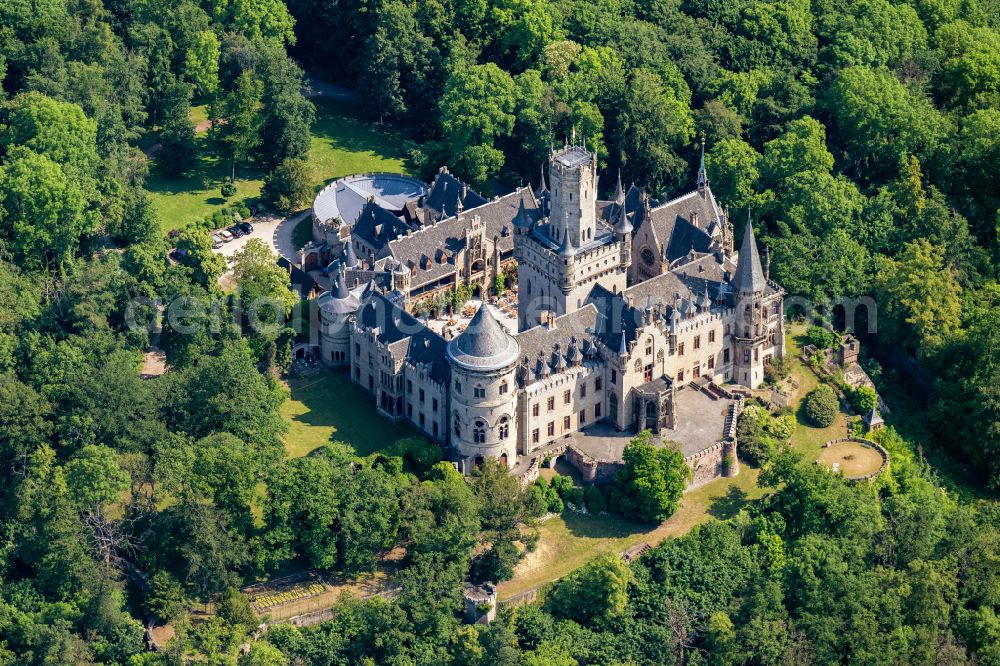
<point>503,459</point>
<point>651,416</point>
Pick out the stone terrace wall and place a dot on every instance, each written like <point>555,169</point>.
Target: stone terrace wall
<point>600,472</point>
<point>705,466</point>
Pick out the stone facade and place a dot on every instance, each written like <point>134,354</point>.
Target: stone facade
<point>598,342</point>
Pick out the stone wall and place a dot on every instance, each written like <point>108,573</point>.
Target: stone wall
<point>599,472</point>
<point>705,466</point>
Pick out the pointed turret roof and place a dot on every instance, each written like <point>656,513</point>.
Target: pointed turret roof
<point>484,344</point>
<point>702,180</point>
<point>350,258</point>
<point>622,224</point>
<point>566,249</point>
<point>340,288</point>
<point>749,276</point>
<point>542,189</point>
<point>522,219</point>
<point>619,190</point>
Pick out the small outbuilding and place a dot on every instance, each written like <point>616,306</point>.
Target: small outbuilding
<point>873,420</point>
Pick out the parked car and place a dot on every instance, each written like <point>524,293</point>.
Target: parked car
<point>224,235</point>
<point>246,227</point>
<point>178,254</point>
<point>237,231</point>
<point>216,241</point>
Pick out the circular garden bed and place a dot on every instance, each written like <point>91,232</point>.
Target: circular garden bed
<point>857,459</point>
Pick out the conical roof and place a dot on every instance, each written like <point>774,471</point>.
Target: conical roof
<point>339,300</point>
<point>522,219</point>
<point>619,190</point>
<point>350,258</point>
<point>566,249</point>
<point>622,224</point>
<point>542,189</point>
<point>484,344</point>
<point>340,286</point>
<point>749,276</point>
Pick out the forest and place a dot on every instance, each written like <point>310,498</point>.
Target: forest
<point>863,139</point>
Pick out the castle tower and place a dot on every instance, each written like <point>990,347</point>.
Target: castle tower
<point>623,227</point>
<point>336,307</point>
<point>483,391</point>
<point>560,259</point>
<point>750,289</point>
<point>573,183</point>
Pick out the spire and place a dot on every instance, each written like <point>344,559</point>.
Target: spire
<point>350,258</point>
<point>622,224</point>
<point>749,276</point>
<point>542,189</point>
<point>622,348</point>
<point>340,285</point>
<point>566,249</point>
<point>702,173</point>
<point>522,219</point>
<point>620,191</point>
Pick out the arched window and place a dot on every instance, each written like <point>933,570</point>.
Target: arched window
<point>614,407</point>
<point>638,365</point>
<point>504,427</point>
<point>458,427</point>
<point>479,432</point>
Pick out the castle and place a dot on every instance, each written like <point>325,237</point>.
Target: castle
<point>632,314</point>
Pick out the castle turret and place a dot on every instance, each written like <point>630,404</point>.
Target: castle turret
<point>750,288</point>
<point>483,391</point>
<point>336,307</point>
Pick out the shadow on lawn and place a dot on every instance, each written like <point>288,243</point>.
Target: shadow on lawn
<point>343,125</point>
<point>332,401</point>
<point>728,505</point>
<point>608,526</point>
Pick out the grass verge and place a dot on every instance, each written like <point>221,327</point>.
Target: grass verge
<point>343,143</point>
<point>328,407</point>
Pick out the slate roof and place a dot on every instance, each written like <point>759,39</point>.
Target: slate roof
<point>616,319</point>
<point>677,231</point>
<point>749,276</point>
<point>484,344</point>
<point>579,324</point>
<point>546,350</point>
<point>346,198</point>
<point>446,193</point>
<point>442,241</point>
<point>403,333</point>
<point>377,226</point>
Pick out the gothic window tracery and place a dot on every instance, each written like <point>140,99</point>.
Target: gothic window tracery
<point>479,432</point>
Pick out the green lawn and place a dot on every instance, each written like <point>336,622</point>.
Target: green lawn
<point>329,407</point>
<point>343,143</point>
<point>199,113</point>
<point>570,540</point>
